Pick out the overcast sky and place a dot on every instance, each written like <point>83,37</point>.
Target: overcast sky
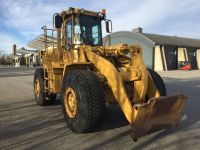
<point>21,20</point>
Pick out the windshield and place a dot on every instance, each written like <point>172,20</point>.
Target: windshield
<point>89,29</point>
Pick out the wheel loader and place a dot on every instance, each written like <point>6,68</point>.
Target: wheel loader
<point>88,72</point>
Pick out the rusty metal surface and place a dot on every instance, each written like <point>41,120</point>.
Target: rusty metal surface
<point>157,114</point>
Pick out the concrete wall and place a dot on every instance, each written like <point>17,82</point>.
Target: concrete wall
<point>159,58</point>
<point>182,54</point>
<point>198,58</point>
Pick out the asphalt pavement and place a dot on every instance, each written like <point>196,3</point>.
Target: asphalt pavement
<point>24,125</point>
<point>16,71</point>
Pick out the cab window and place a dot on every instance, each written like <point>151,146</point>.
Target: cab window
<point>69,32</point>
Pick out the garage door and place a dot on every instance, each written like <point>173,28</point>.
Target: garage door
<point>192,58</point>
<point>171,57</point>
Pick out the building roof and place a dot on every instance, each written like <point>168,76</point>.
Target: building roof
<point>14,56</point>
<point>23,50</point>
<point>173,40</point>
<point>40,41</point>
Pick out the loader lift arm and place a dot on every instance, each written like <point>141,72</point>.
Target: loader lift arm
<point>143,116</point>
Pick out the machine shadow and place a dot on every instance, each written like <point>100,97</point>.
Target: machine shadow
<point>34,129</point>
<point>189,88</point>
<point>113,118</point>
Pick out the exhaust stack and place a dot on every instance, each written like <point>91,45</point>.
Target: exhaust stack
<point>14,49</point>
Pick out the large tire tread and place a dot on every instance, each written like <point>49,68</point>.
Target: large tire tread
<point>90,98</point>
<point>158,82</point>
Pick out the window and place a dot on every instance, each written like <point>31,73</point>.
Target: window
<point>91,30</point>
<point>87,30</point>
<point>69,32</point>
<point>95,34</point>
<point>77,31</point>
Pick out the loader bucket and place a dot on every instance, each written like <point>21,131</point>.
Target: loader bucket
<point>156,114</point>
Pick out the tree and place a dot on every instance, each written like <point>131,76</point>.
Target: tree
<point>2,59</point>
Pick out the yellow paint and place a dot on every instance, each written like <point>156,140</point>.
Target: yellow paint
<point>70,102</point>
<point>37,87</point>
<point>124,79</point>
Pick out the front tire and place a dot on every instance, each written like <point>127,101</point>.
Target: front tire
<point>82,100</point>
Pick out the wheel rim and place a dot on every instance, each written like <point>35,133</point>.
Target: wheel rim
<point>70,102</point>
<point>37,87</point>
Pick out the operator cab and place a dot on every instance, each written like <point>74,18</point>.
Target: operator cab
<point>87,30</point>
<point>82,27</point>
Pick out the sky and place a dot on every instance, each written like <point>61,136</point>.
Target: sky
<point>21,20</point>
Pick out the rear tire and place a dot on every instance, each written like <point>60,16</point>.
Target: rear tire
<point>41,97</point>
<point>89,100</point>
<point>158,82</point>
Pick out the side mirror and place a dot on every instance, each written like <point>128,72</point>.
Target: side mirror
<point>58,21</point>
<point>108,26</point>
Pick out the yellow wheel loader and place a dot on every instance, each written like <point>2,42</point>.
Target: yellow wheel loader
<point>89,73</point>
